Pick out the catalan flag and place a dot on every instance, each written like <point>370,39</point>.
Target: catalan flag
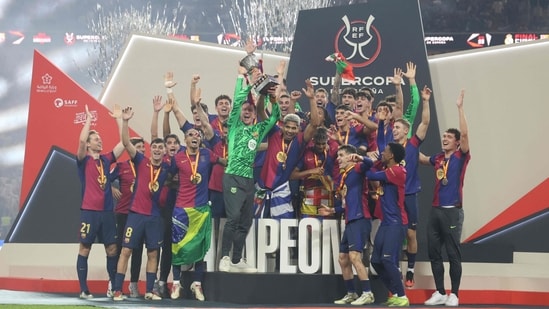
<point>191,234</point>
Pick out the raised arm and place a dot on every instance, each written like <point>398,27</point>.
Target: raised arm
<point>280,71</point>
<point>464,140</point>
<point>425,113</point>
<point>127,114</point>
<point>157,107</point>
<point>397,81</point>
<point>382,116</point>
<point>206,126</point>
<point>166,130</point>
<point>117,115</point>
<point>178,113</point>
<point>83,140</point>
<point>411,110</point>
<point>335,89</point>
<point>310,130</point>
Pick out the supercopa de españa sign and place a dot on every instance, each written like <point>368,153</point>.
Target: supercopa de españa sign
<point>316,243</point>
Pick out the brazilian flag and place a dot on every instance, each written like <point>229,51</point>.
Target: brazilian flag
<point>191,234</point>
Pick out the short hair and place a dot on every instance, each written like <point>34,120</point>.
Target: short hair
<point>363,94</point>
<point>349,90</point>
<point>157,140</point>
<point>321,90</point>
<point>347,148</point>
<point>136,140</point>
<point>223,97</point>
<point>90,133</point>
<point>398,151</point>
<point>285,95</point>
<point>404,122</point>
<point>204,107</point>
<point>456,133</point>
<point>293,118</point>
<point>172,136</point>
<point>383,103</point>
<point>321,134</point>
<point>369,90</point>
<point>343,107</point>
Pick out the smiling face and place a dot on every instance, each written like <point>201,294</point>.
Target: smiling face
<point>172,145</point>
<point>341,120</point>
<point>193,138</point>
<point>158,149</point>
<point>247,114</point>
<point>290,130</point>
<point>94,142</point>
<point>449,142</point>
<point>223,107</point>
<point>400,131</point>
<point>343,159</point>
<point>321,98</point>
<point>284,105</point>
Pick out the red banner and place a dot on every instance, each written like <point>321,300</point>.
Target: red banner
<point>56,115</point>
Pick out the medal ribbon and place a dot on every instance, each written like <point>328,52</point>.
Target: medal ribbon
<point>346,136</point>
<point>194,166</point>
<point>284,146</point>
<point>323,162</point>
<point>101,172</point>
<point>343,177</point>
<point>154,175</point>
<point>223,143</point>
<point>132,166</point>
<point>445,167</point>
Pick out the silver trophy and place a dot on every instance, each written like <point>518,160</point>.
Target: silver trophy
<point>265,82</point>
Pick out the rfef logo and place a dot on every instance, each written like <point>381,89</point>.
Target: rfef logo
<point>358,41</point>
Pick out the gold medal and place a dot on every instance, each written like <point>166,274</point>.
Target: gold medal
<point>440,174</point>
<point>102,180</point>
<point>196,179</point>
<point>379,191</point>
<point>153,186</point>
<point>281,156</point>
<point>444,181</point>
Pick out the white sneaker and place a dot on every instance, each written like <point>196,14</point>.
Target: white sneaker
<point>196,288</point>
<point>152,296</point>
<point>134,290</point>
<point>347,299</point>
<point>436,299</point>
<point>176,289</point>
<point>85,295</point>
<point>452,301</point>
<point>110,293</point>
<point>225,264</point>
<point>364,299</point>
<point>242,267</point>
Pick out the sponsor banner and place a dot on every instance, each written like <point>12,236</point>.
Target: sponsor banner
<point>367,36</point>
<point>56,115</point>
<point>464,41</point>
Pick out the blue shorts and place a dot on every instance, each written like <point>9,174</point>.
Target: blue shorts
<point>97,224</point>
<point>410,204</point>
<point>143,228</point>
<point>388,243</point>
<point>356,235</point>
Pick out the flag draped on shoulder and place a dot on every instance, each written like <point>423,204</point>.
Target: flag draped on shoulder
<point>191,234</point>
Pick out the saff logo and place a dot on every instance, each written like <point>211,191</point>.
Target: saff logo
<point>358,41</point>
